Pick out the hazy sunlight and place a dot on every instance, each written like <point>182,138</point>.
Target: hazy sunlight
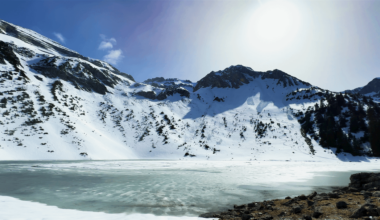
<point>273,25</point>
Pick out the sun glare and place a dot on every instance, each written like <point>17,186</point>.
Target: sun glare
<point>273,25</point>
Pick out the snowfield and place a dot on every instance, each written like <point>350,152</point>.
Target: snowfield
<point>59,105</point>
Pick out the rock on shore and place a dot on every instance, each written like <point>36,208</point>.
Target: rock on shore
<point>360,200</point>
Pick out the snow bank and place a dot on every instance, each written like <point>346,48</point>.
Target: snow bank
<point>12,208</point>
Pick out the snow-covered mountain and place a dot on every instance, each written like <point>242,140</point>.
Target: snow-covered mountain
<point>57,104</point>
<point>371,89</point>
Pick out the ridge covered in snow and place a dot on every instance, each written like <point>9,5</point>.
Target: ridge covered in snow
<point>57,104</point>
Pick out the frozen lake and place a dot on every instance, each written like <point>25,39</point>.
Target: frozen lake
<point>161,188</point>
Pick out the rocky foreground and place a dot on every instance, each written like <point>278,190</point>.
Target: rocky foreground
<point>360,200</point>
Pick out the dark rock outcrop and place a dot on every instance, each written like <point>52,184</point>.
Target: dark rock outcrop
<point>365,181</point>
<point>218,99</point>
<point>171,91</point>
<point>312,195</point>
<point>148,94</point>
<point>156,79</point>
<point>83,75</point>
<point>366,210</point>
<point>341,205</point>
<point>164,94</point>
<point>236,76</point>
<point>7,54</point>
<point>284,78</point>
<point>161,82</point>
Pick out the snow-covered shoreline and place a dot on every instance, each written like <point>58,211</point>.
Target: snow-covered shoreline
<point>12,209</point>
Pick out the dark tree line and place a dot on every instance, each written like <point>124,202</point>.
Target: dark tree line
<point>334,113</point>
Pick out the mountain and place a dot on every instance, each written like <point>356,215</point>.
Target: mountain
<point>58,104</point>
<point>371,89</point>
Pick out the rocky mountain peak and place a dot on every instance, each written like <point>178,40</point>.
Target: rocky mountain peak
<point>236,76</point>
<point>373,88</point>
<point>53,60</point>
<point>231,77</point>
<point>35,39</point>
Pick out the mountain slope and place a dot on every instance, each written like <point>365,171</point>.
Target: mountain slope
<point>371,89</point>
<point>57,104</point>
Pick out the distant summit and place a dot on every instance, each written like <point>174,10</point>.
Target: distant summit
<point>372,88</point>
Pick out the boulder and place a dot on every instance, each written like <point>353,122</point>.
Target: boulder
<point>312,195</point>
<point>341,205</point>
<point>246,216</point>
<point>209,215</point>
<point>240,206</point>
<point>297,209</point>
<point>288,203</point>
<point>281,214</point>
<point>266,217</point>
<point>302,197</point>
<point>333,195</point>
<point>376,194</point>
<point>365,210</point>
<point>310,203</point>
<point>306,217</point>
<point>317,214</point>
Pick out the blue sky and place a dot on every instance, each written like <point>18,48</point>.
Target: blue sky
<point>334,44</point>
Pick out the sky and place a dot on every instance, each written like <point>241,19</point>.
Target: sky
<point>333,44</point>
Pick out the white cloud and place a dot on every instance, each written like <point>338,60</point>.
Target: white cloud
<point>112,40</point>
<point>60,37</point>
<point>105,45</point>
<point>113,56</point>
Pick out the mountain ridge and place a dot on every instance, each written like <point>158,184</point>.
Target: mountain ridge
<point>57,104</point>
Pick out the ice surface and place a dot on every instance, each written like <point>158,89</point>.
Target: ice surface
<point>165,188</point>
